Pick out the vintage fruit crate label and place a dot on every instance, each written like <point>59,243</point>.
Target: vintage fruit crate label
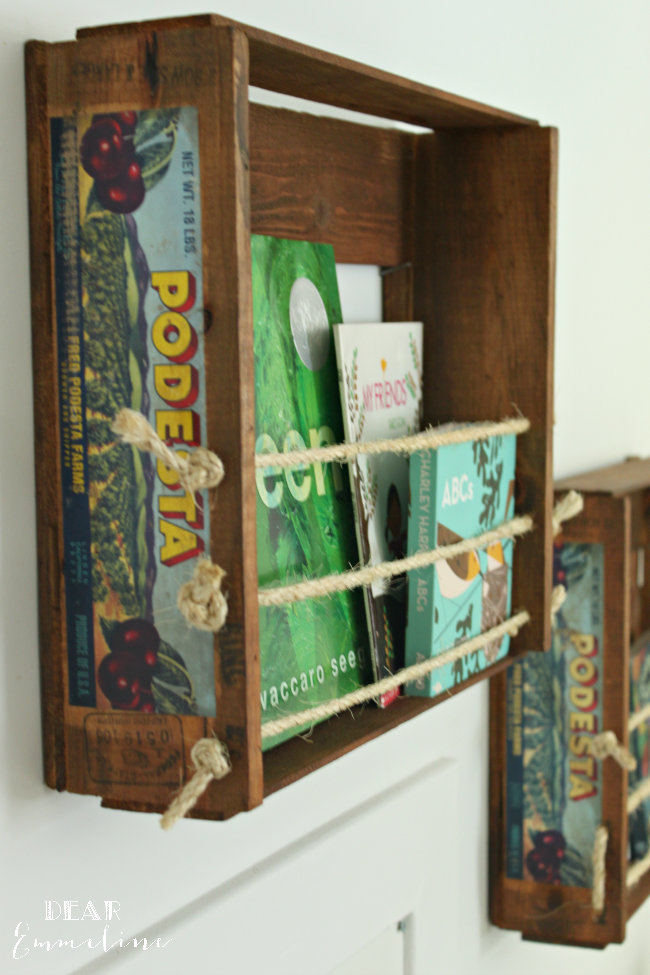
<point>129,311</point>
<point>554,710</point>
<point>134,749</point>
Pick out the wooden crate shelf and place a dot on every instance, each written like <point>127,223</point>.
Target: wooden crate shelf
<point>465,212</point>
<point>616,515</point>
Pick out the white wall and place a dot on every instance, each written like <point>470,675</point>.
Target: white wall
<point>304,882</point>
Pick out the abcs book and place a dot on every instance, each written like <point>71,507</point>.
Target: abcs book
<point>314,650</point>
<point>459,491</point>
<point>380,377</point>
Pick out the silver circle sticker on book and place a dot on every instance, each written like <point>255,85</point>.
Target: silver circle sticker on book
<point>309,325</point>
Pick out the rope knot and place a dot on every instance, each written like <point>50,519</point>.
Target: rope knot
<point>198,470</point>
<point>211,757</point>
<point>204,470</point>
<point>201,600</point>
<point>606,745</point>
<point>567,507</point>
<point>211,761</point>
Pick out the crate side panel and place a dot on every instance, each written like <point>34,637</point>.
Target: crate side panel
<point>287,66</point>
<point>557,914</point>
<point>484,272</point>
<point>207,69</point>
<point>618,479</point>
<point>47,469</point>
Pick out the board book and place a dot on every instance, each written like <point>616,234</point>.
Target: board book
<point>459,491</point>
<point>317,649</point>
<point>380,378</point>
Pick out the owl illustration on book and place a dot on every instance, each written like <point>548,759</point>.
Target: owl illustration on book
<point>495,597</point>
<point>456,575</point>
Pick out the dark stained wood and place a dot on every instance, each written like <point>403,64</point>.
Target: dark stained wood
<point>546,912</point>
<point>76,74</point>
<point>333,182</point>
<point>46,415</point>
<point>618,479</point>
<point>328,741</point>
<point>484,267</point>
<point>295,69</point>
<point>463,219</point>
<point>296,758</point>
<point>397,291</point>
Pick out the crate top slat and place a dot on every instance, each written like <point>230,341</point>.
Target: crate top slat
<point>617,480</point>
<point>285,66</point>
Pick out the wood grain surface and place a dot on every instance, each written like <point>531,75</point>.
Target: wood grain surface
<point>546,912</point>
<point>464,219</point>
<point>617,479</point>
<point>332,182</point>
<point>46,418</point>
<point>208,69</point>
<point>484,271</point>
<point>295,69</point>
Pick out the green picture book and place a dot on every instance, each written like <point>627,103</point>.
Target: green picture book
<point>314,650</point>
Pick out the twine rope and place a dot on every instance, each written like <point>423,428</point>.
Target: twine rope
<point>642,791</point>
<point>637,796</point>
<point>637,870</point>
<point>199,470</point>
<point>606,745</point>
<point>639,717</point>
<point>210,756</point>
<point>429,439</point>
<point>598,862</point>
<point>339,582</point>
<point>557,600</point>
<point>201,600</point>
<point>211,761</point>
<point>567,507</point>
<point>405,676</point>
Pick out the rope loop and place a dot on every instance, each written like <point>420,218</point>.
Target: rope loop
<point>606,745</point>
<point>212,761</point>
<point>557,600</point>
<point>567,507</point>
<point>210,756</point>
<point>598,861</point>
<point>340,581</point>
<point>200,470</point>
<point>430,439</point>
<point>201,600</point>
<point>637,796</point>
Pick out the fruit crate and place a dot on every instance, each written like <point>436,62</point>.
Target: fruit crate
<point>462,215</point>
<point>616,517</point>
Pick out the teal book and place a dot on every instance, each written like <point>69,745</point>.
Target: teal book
<point>554,710</point>
<point>314,650</point>
<point>457,492</point>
